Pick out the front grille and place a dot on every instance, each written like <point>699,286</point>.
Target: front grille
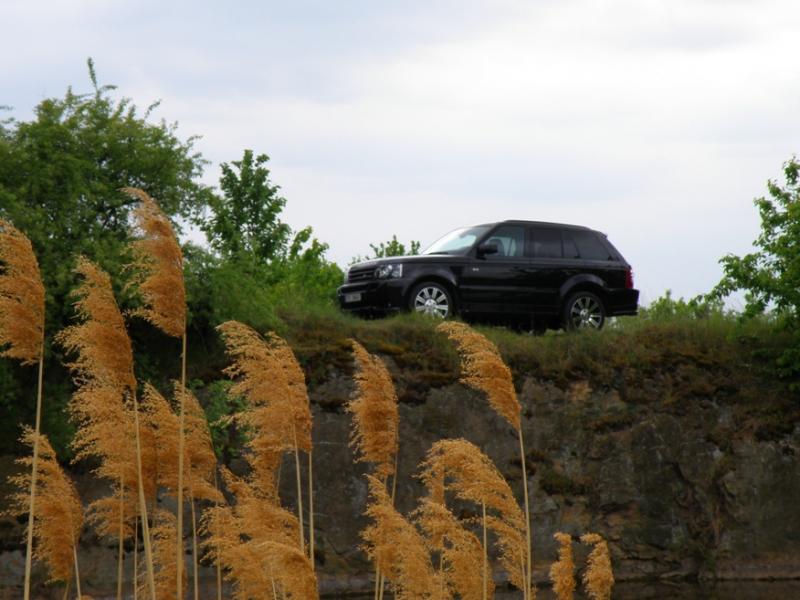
<point>360,274</point>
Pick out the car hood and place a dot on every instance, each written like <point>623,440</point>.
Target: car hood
<point>416,258</point>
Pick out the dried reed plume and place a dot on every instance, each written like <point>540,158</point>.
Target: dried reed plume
<point>59,511</point>
<point>164,534</point>
<point>461,467</point>
<point>256,542</point>
<point>460,549</point>
<point>158,276</point>
<point>105,362</point>
<point>598,579</point>
<point>158,267</point>
<point>21,297</point>
<point>397,548</point>
<point>483,368</point>
<point>22,337</point>
<point>375,417</point>
<point>279,414</point>
<point>562,572</point>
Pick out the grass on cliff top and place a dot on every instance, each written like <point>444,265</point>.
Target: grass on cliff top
<point>643,344</point>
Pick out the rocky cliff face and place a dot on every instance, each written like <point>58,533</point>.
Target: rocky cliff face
<point>687,473</point>
<point>686,493</point>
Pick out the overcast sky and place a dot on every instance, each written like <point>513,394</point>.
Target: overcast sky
<point>656,122</point>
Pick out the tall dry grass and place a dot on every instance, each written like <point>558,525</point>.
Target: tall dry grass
<point>158,276</point>
<point>483,368</point>
<point>598,579</point>
<point>268,375</point>
<point>459,467</point>
<point>59,522</point>
<point>460,552</point>
<point>256,540</point>
<point>104,362</point>
<point>375,433</point>
<point>397,548</point>
<point>22,338</point>
<point>562,572</point>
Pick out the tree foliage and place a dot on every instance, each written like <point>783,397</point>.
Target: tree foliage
<point>245,219</point>
<point>60,175</point>
<point>770,276</point>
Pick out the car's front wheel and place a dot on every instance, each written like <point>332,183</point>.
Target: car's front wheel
<point>584,310</point>
<point>432,299</point>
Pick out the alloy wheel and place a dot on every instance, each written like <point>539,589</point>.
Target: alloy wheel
<point>432,300</point>
<point>586,313</point>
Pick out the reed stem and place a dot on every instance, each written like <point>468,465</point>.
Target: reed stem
<point>148,550</point>
<point>529,549</point>
<point>485,553</point>
<point>135,558</point>
<point>311,511</point>
<point>34,467</point>
<point>121,547</point>
<point>299,491</point>
<point>77,571</point>
<point>179,537</point>
<point>195,574</point>
<point>217,562</point>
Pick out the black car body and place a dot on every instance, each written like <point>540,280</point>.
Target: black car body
<point>550,272</point>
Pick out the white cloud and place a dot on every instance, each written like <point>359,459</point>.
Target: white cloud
<point>655,121</point>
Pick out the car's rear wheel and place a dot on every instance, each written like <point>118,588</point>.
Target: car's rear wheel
<point>584,310</point>
<point>432,299</point>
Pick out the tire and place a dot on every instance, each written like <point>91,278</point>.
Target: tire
<point>431,299</point>
<point>583,310</point>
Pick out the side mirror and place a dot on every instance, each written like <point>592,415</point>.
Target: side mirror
<point>488,248</point>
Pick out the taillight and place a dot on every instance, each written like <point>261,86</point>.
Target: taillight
<point>629,279</point>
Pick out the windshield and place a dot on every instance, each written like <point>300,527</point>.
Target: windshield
<point>458,241</point>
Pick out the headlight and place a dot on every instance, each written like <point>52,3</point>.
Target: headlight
<point>389,271</point>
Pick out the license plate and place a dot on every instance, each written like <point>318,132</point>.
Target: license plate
<point>352,297</point>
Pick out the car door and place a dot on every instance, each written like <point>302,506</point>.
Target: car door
<point>500,282</point>
<point>547,268</point>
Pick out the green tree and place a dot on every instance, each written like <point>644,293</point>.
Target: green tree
<point>393,247</point>
<point>245,220</point>
<point>259,264</point>
<point>770,276</point>
<point>60,174</point>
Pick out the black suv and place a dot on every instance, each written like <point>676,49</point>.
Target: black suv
<point>547,273</point>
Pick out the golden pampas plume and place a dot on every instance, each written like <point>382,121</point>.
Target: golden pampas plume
<point>59,513</point>
<point>164,557</point>
<point>562,572</point>
<point>459,466</point>
<point>267,374</point>
<point>105,361</point>
<point>158,267</point>
<point>256,542</point>
<point>22,337</point>
<point>158,276</point>
<point>397,548</point>
<point>598,579</point>
<point>374,409</point>
<point>483,369</point>
<point>105,355</point>
<point>199,450</point>
<point>460,549</point>
<point>21,297</point>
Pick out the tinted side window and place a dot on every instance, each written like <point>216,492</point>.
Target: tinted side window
<point>510,240</point>
<point>570,249</point>
<point>589,246</point>
<point>546,242</point>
